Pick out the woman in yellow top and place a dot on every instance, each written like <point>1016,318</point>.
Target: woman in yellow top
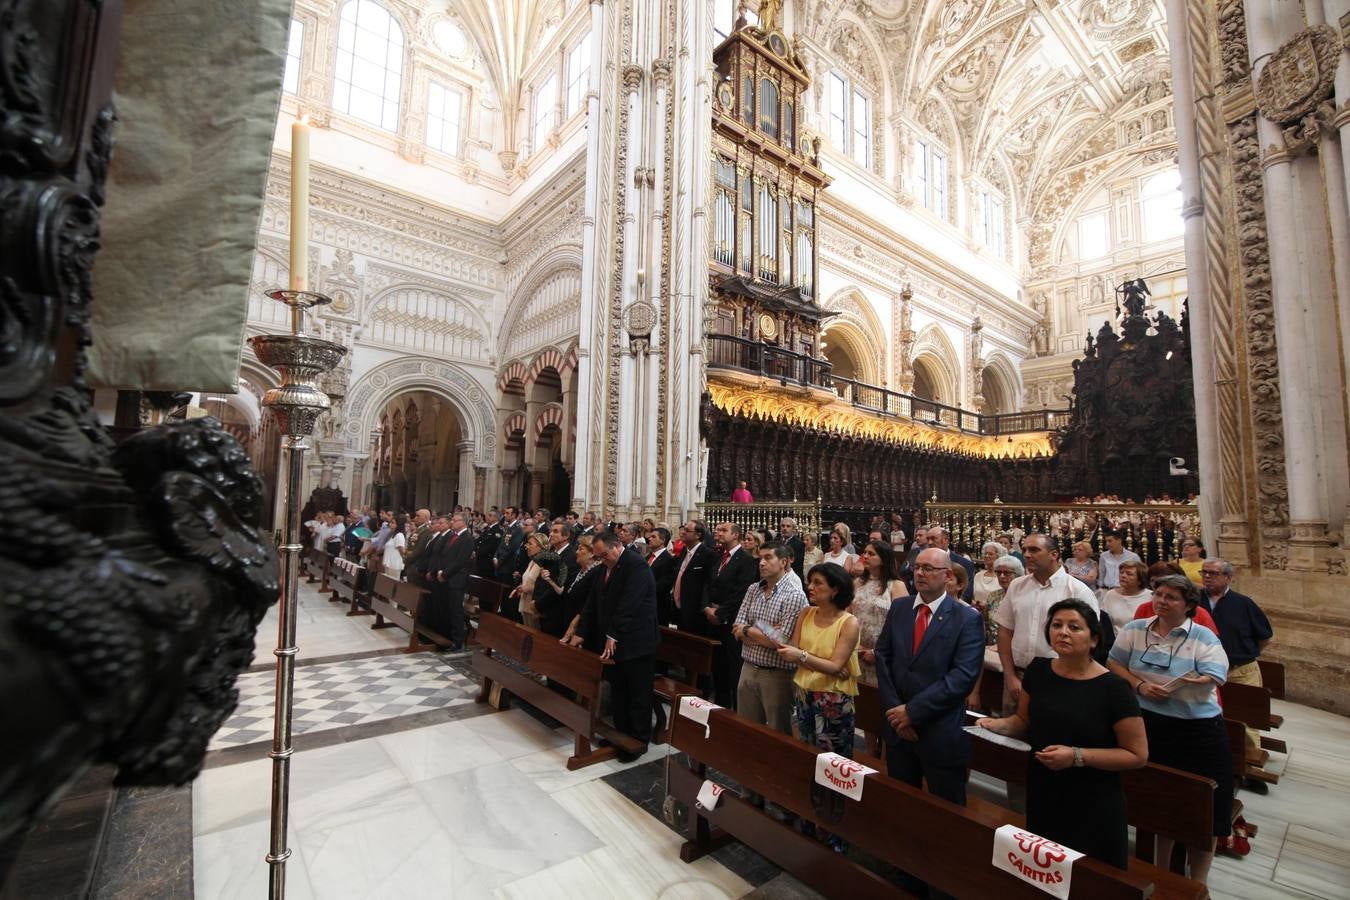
<point>825,649</point>
<point>1190,561</point>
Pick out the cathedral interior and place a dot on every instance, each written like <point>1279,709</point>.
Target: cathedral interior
<point>988,264</point>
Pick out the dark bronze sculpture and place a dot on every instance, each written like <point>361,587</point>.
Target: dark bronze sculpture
<point>135,574</point>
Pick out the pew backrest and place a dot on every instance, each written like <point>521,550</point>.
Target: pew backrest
<point>1272,676</point>
<point>951,851</point>
<point>487,592</point>
<point>572,667</point>
<point>691,652</point>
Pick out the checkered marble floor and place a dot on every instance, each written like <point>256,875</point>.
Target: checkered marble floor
<point>351,692</point>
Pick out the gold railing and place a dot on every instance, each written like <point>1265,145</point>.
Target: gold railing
<point>972,524</point>
<point>763,516</point>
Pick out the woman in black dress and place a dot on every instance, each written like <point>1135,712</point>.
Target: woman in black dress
<point>1084,727</point>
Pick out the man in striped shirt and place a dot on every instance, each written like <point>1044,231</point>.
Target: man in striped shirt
<point>766,620</point>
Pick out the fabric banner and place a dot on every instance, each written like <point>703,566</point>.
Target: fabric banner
<point>1034,859</point>
<point>197,93</point>
<point>842,775</point>
<point>709,794</point>
<point>698,709</point>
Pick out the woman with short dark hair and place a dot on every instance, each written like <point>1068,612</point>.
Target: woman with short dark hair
<point>1084,728</point>
<point>1176,666</point>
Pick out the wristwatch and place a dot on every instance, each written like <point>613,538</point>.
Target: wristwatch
<point>804,655</point>
<point>1077,758</point>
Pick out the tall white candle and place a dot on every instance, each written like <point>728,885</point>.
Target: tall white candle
<point>300,205</point>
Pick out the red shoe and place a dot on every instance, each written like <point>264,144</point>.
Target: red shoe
<point>1236,846</point>
<point>1243,827</point>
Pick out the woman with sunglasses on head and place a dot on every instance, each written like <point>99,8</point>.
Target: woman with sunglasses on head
<point>1176,667</point>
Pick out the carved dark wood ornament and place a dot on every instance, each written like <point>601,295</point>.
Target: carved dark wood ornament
<point>135,574</point>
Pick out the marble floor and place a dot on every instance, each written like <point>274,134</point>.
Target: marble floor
<point>465,802</point>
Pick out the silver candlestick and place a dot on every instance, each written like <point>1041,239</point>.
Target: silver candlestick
<point>297,405</point>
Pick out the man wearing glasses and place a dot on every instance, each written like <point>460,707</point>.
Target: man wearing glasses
<point>928,656</point>
<point>1243,627</point>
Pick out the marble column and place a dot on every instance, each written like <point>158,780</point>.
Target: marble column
<point>1300,250</point>
<point>466,483</point>
<point>1200,302</point>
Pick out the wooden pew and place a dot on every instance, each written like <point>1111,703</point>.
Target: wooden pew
<point>991,691</point>
<point>694,655</point>
<point>1272,676</point>
<point>1159,800</point>
<point>1250,705</point>
<point>579,670</point>
<point>943,844</point>
<point>314,563</point>
<point>398,604</point>
<point>346,585</point>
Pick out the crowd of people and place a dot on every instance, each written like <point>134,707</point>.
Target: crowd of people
<point>1107,662</point>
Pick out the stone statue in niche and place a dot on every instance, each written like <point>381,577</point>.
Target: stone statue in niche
<point>136,586</point>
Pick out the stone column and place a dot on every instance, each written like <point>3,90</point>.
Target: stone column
<point>1300,250</point>
<point>467,483</point>
<point>1202,222</point>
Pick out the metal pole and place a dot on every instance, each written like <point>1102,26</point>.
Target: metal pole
<point>278,851</point>
<point>297,404</point>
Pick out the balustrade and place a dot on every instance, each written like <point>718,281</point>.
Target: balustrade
<point>764,516</point>
<point>972,524</point>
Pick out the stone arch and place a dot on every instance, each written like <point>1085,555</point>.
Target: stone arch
<point>934,351</point>
<point>851,352</point>
<point>460,391</point>
<point>551,415</point>
<point>418,317</point>
<point>1001,375</point>
<point>545,308</point>
<point>513,378</point>
<point>549,358</point>
<point>514,425</point>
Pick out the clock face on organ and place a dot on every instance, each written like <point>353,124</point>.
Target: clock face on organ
<point>768,326</point>
<point>724,95</point>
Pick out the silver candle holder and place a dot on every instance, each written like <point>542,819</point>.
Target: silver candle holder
<point>297,404</point>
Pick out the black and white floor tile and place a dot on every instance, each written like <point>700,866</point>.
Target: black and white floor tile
<point>349,692</point>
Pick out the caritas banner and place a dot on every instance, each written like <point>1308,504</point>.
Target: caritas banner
<point>1034,859</point>
<point>841,774</point>
<point>709,794</point>
<point>698,709</point>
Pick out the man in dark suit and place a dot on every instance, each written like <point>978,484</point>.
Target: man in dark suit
<point>623,609</point>
<point>788,537</point>
<point>663,566</point>
<point>938,537</point>
<point>485,548</point>
<point>928,655</point>
<point>512,539</point>
<point>733,575</point>
<point>697,563</point>
<point>415,560</point>
<point>562,542</point>
<point>448,571</point>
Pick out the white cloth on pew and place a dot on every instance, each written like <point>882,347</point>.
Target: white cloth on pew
<point>842,775</point>
<point>1035,860</point>
<point>698,709</point>
<point>709,794</point>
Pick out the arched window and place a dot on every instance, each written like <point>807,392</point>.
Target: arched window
<point>369,75</point>
<point>850,118</point>
<point>1161,199</point>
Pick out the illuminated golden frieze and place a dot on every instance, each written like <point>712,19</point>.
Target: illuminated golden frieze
<point>811,412</point>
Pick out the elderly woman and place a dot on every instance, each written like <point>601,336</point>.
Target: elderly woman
<point>873,592</point>
<point>1006,568</point>
<point>986,581</point>
<point>1081,565</point>
<point>1083,724</point>
<point>1175,668</point>
<point>812,555</point>
<point>838,554</point>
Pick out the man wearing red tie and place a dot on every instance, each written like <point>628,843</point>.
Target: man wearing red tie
<point>928,656</point>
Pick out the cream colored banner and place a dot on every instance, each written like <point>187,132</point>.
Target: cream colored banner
<point>197,93</point>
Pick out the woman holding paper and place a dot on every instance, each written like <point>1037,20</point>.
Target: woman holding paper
<point>1084,726</point>
<point>1175,666</point>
